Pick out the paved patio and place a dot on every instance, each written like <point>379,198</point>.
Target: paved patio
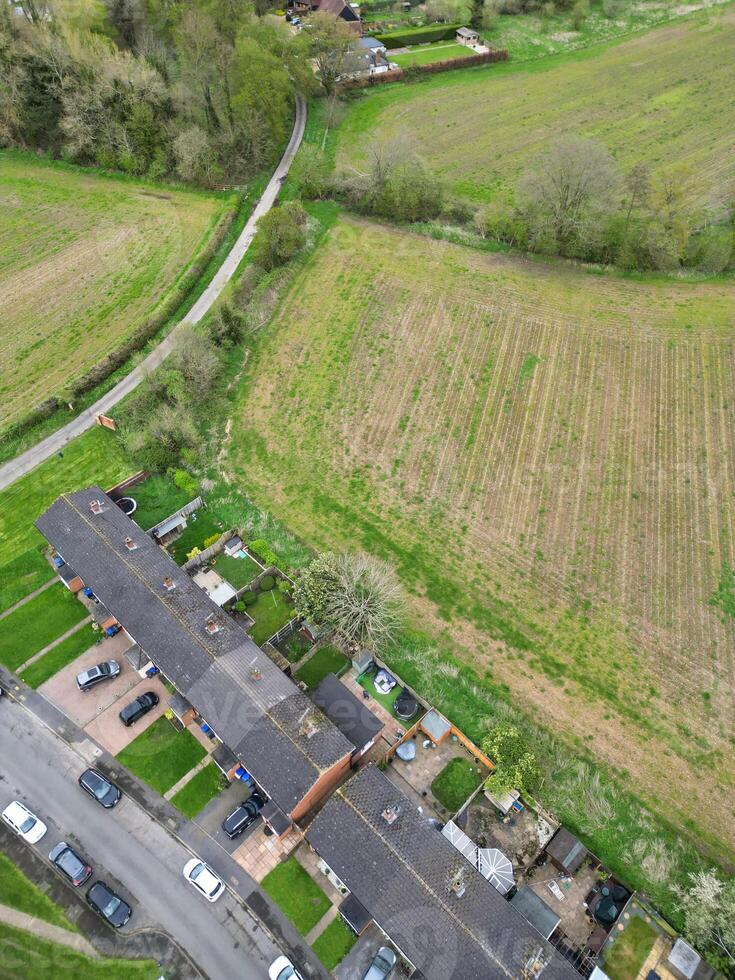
<point>260,853</point>
<point>570,908</point>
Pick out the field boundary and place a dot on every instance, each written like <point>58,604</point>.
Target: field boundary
<point>433,67</point>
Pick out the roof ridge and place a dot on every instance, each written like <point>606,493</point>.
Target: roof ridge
<point>425,885</point>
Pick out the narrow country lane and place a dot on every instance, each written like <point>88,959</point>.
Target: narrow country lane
<point>28,460</point>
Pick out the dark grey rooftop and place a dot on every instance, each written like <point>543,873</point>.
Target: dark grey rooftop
<point>402,873</point>
<point>351,715</point>
<point>566,850</point>
<point>243,696</point>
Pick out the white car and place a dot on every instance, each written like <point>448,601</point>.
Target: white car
<point>203,879</point>
<point>25,824</point>
<point>283,969</point>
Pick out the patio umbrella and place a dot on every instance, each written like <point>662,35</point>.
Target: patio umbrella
<point>496,867</point>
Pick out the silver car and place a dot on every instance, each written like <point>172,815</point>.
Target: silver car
<point>381,964</point>
<point>95,675</point>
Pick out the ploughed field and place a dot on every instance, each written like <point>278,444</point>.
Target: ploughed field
<point>83,259</point>
<point>661,98</point>
<point>547,457</point>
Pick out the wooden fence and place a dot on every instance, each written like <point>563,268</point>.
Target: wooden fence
<point>399,74</point>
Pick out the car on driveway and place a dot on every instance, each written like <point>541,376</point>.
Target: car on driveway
<point>93,676</point>
<point>99,788</point>
<point>109,905</point>
<point>136,709</point>
<point>283,969</point>
<point>203,879</point>
<point>70,864</point>
<point>243,816</point>
<point>24,823</point>
<point>381,964</point>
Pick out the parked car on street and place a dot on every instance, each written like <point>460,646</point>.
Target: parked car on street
<point>70,864</point>
<point>109,905</point>
<point>243,816</point>
<point>136,709</point>
<point>99,788</point>
<point>381,964</point>
<point>95,675</point>
<point>24,823</point>
<point>203,879</point>
<point>283,969</point>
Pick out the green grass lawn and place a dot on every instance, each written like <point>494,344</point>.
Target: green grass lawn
<point>630,949</point>
<point>239,572</point>
<point>20,893</point>
<point>199,791</point>
<point>299,897</point>
<point>157,498</point>
<point>271,610</point>
<point>25,955</point>
<point>38,623</point>
<point>327,660</point>
<point>429,53</point>
<point>96,457</point>
<point>454,784</point>
<point>201,524</point>
<point>61,655</point>
<point>160,755</point>
<point>334,943</point>
<point>387,700</point>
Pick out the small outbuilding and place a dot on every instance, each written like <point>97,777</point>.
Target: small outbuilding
<point>233,546</point>
<point>566,852</point>
<point>465,35</point>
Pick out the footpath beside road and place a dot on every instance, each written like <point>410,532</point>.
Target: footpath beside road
<point>55,934</point>
<point>28,460</point>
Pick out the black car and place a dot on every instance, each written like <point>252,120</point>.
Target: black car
<point>95,675</point>
<point>136,709</point>
<point>244,815</point>
<point>106,793</point>
<point>109,905</point>
<point>70,864</point>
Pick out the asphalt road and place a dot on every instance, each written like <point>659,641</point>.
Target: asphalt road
<point>126,848</point>
<point>26,461</point>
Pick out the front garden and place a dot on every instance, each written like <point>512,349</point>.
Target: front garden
<point>37,624</point>
<point>59,656</point>
<point>334,943</point>
<point>201,788</point>
<point>161,755</point>
<point>300,899</point>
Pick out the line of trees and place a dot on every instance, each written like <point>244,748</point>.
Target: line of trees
<point>199,90</point>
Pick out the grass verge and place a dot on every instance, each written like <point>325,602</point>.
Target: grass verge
<point>19,893</point>
<point>200,789</point>
<point>299,898</point>
<point>161,756</point>
<point>38,623</point>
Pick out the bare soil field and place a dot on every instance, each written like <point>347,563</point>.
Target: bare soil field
<point>660,98</point>
<point>548,458</point>
<point>83,259</point>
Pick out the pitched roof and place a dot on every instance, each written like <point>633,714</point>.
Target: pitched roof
<point>351,715</point>
<point>243,696</point>
<point>401,872</point>
<point>566,850</point>
<point>339,8</point>
<point>466,32</point>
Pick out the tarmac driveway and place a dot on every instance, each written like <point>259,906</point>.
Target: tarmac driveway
<point>211,817</point>
<point>109,731</point>
<point>83,707</point>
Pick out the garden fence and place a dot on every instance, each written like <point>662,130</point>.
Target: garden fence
<point>399,74</point>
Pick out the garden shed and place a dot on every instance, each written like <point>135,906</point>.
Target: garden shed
<point>466,35</point>
<point>566,852</point>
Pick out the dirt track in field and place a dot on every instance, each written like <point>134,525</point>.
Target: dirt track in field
<point>559,442</point>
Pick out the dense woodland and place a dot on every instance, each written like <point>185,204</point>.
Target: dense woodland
<point>197,90</point>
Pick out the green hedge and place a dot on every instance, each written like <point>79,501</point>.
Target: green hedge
<point>419,35</point>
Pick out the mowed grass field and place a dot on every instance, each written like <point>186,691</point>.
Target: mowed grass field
<point>660,98</point>
<point>83,259</point>
<point>547,457</point>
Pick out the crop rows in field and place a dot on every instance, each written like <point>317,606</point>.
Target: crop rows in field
<point>554,440</point>
<point>660,98</point>
<point>83,260</point>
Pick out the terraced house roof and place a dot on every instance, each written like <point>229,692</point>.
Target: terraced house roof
<point>284,741</point>
<point>403,871</point>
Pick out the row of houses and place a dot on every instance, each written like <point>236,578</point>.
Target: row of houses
<point>420,880</point>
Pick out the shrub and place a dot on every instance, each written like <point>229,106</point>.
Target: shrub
<point>186,482</point>
<point>267,583</point>
<point>247,599</point>
<point>240,605</point>
<point>281,234</point>
<point>263,550</point>
<point>212,539</point>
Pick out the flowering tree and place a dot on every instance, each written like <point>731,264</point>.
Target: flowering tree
<point>709,912</point>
